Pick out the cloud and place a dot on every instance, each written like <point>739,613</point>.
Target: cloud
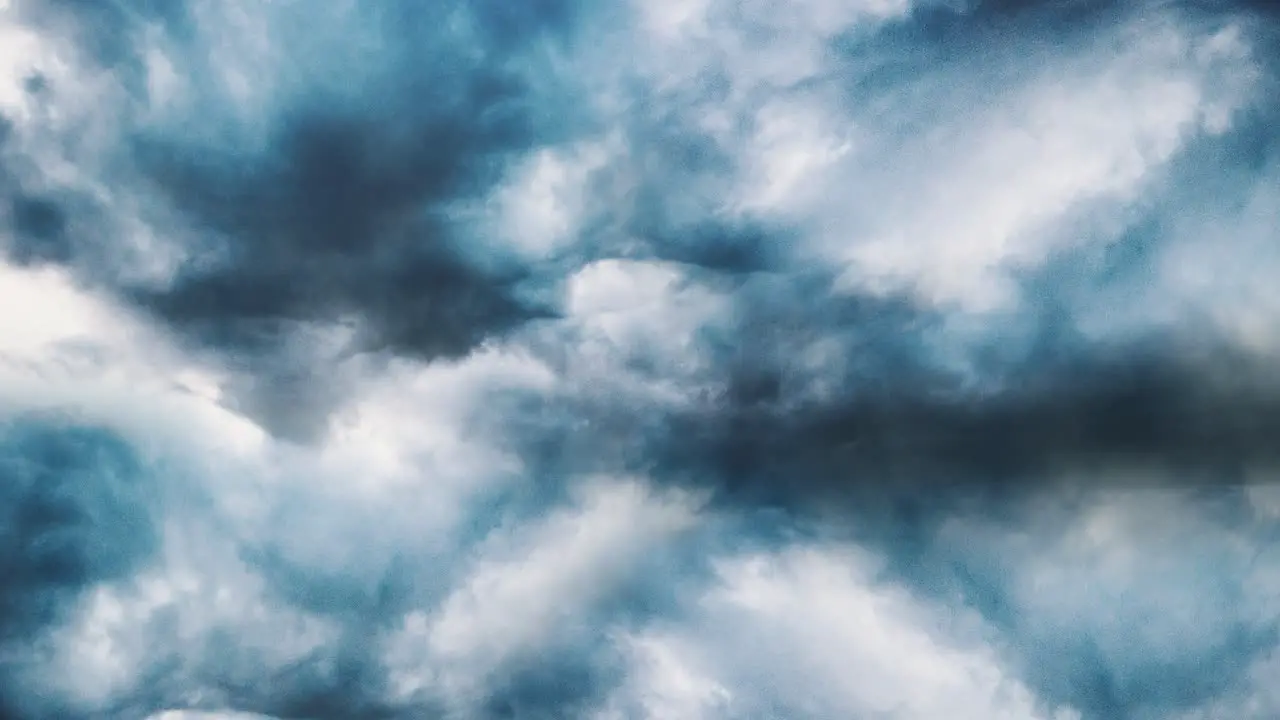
<point>679,359</point>
<point>1132,602</point>
<point>528,592</point>
<point>189,715</point>
<point>811,631</point>
<point>318,204</point>
<point>77,512</point>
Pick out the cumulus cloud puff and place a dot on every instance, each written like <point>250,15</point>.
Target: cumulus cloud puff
<point>681,359</point>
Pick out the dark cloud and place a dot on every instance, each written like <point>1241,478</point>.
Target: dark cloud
<point>909,415</point>
<point>39,226</point>
<point>570,685</point>
<point>75,510</point>
<point>337,685</point>
<point>345,214</point>
<point>922,435</point>
<point>1099,689</point>
<point>906,425</point>
<point>343,225</point>
<point>900,410</point>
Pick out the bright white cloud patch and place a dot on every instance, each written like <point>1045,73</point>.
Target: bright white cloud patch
<point>527,586</point>
<point>812,632</point>
<point>1054,161</point>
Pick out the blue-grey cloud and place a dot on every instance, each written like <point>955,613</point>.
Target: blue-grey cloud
<point>77,511</point>
<point>705,359</point>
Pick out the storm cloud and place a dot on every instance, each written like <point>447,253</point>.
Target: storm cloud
<point>706,359</point>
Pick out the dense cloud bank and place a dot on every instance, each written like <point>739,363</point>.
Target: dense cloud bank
<point>702,359</point>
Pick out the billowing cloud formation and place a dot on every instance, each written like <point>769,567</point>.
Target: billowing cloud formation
<point>684,359</point>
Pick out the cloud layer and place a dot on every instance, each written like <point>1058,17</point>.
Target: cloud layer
<point>681,359</point>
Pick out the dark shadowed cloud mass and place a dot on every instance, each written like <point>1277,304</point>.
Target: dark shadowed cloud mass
<point>673,360</point>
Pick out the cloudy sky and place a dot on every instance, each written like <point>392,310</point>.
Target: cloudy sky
<point>666,359</point>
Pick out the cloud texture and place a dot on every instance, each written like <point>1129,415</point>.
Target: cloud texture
<point>663,360</point>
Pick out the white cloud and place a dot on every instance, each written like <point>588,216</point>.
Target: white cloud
<point>177,614</point>
<point>1013,165</point>
<point>1157,582</point>
<point>545,204</point>
<point>1144,572</point>
<point>797,143</point>
<point>1050,163</point>
<point>813,632</point>
<point>758,47</point>
<point>623,315</point>
<point>74,351</point>
<point>1215,264</point>
<point>663,681</point>
<point>530,585</point>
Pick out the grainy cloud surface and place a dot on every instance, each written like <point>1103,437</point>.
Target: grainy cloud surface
<point>667,360</point>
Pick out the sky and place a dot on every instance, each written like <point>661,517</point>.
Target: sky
<point>652,359</point>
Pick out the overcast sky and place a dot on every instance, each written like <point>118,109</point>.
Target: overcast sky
<point>666,359</point>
